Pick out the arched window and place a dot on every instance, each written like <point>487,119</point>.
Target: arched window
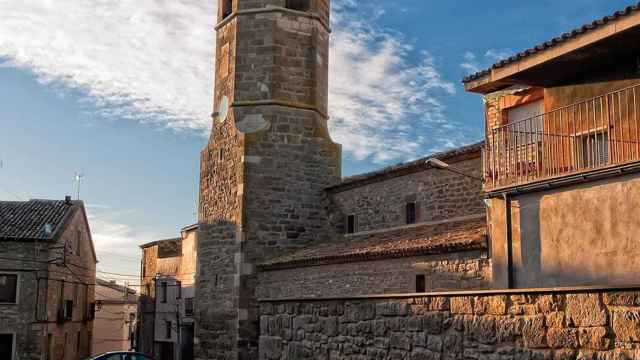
<point>299,5</point>
<point>227,8</point>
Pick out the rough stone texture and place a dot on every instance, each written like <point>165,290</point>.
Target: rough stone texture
<point>465,270</point>
<point>438,195</point>
<point>456,327</point>
<point>43,287</point>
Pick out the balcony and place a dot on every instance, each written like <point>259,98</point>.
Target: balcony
<point>594,134</point>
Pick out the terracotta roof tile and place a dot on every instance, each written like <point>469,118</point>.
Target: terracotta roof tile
<point>555,41</point>
<point>403,242</point>
<point>26,220</point>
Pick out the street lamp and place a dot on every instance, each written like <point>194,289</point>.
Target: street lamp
<point>439,164</point>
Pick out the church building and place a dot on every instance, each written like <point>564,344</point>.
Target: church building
<point>276,218</point>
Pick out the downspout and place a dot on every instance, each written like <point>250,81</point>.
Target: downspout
<point>507,207</point>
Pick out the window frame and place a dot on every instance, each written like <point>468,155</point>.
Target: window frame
<point>226,9</point>
<point>411,205</point>
<point>17,288</point>
<point>189,310</point>
<point>13,343</point>
<point>422,280</point>
<point>349,230</point>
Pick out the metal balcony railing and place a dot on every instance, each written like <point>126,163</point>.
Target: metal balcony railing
<point>592,134</point>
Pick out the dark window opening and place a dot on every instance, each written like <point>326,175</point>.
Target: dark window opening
<point>6,346</point>
<point>167,329</point>
<point>179,285</point>
<point>188,307</point>
<point>221,154</point>
<point>227,8</point>
<point>351,224</point>
<point>163,294</point>
<point>299,5</point>
<point>420,284</point>
<point>8,288</point>
<point>411,213</point>
<point>68,309</point>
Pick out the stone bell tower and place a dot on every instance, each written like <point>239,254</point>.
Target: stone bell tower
<point>267,162</point>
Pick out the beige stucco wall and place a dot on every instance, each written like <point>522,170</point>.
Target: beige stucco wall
<point>111,328</point>
<point>586,234</point>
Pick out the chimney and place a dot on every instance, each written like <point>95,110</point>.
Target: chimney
<point>67,200</point>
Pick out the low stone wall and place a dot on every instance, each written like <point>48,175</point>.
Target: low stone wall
<point>579,324</point>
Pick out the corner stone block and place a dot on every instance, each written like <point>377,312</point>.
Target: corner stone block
<point>586,310</point>
<point>626,325</point>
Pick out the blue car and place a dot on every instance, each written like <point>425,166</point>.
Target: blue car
<point>122,355</point>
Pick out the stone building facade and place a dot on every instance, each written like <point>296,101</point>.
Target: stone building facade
<point>273,205</point>
<point>166,306</point>
<point>47,277</point>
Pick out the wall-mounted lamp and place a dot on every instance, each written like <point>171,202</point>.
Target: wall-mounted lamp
<point>439,164</point>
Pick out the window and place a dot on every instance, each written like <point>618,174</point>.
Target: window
<point>595,149</point>
<point>188,307</point>
<point>6,346</point>
<point>78,337</point>
<point>420,284</point>
<point>299,5</point>
<point>227,8</point>
<point>167,325</point>
<point>163,292</point>
<point>352,226</point>
<point>179,286</point>
<point>9,288</point>
<point>410,211</point>
<point>91,312</point>
<point>529,121</point>
<point>68,309</point>
<point>221,154</point>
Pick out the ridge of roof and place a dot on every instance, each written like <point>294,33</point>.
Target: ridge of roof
<point>555,41</point>
<point>157,242</point>
<point>27,220</point>
<point>404,168</point>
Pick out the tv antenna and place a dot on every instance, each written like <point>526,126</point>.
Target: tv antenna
<point>78,179</point>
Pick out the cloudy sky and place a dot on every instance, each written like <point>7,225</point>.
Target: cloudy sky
<point>120,91</point>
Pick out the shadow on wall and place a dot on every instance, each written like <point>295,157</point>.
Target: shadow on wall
<point>581,235</point>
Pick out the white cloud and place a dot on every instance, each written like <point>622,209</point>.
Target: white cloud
<point>151,60</point>
<point>496,55</point>
<point>470,63</point>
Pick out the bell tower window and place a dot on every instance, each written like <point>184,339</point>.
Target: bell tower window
<point>299,5</point>
<point>227,8</point>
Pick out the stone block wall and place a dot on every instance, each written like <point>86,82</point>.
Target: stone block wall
<point>594,325</point>
<point>462,270</point>
<point>438,195</point>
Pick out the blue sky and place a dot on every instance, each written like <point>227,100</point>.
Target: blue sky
<point>121,91</point>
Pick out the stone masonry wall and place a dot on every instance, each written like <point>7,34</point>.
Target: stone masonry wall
<point>438,195</point>
<point>463,270</point>
<point>597,325</point>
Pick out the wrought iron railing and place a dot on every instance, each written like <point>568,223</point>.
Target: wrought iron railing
<point>596,133</point>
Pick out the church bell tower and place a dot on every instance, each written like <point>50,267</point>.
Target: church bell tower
<point>266,165</point>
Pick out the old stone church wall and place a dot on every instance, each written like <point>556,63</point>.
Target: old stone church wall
<point>594,325</point>
<point>461,270</point>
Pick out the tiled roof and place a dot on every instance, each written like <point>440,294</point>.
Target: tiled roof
<point>555,41</point>
<point>438,238</point>
<point>404,168</point>
<point>27,220</point>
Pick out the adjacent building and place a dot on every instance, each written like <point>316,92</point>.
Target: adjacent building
<point>562,157</point>
<point>114,327</point>
<point>166,301</point>
<point>47,277</point>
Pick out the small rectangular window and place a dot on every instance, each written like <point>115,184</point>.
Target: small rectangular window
<point>299,5</point>
<point>410,211</point>
<point>167,329</point>
<point>163,293</point>
<point>179,286</point>
<point>6,346</point>
<point>227,8</point>
<point>8,288</point>
<point>68,309</point>
<point>221,154</point>
<point>351,227</point>
<point>420,284</point>
<point>188,307</point>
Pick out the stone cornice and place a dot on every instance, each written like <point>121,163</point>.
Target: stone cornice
<point>273,102</point>
<point>270,9</point>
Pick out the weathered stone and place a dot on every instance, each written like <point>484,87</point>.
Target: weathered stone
<point>395,308</point>
<point>329,326</point>
<point>621,298</point>
<point>400,341</point>
<point>434,343</point>
<point>562,338</point>
<point>508,328</point>
<point>481,328</point>
<point>594,338</point>
<point>490,305</point>
<point>432,322</point>
<point>461,305</point>
<point>534,332</point>
<point>584,310</point>
<point>414,323</point>
<point>549,303</point>
<point>439,304</point>
<point>270,347</point>
<point>420,354</point>
<point>555,319</point>
<point>564,354</point>
<point>626,325</point>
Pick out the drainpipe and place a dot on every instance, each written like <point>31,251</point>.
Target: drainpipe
<point>507,206</point>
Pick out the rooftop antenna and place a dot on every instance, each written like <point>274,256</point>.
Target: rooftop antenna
<point>78,178</point>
